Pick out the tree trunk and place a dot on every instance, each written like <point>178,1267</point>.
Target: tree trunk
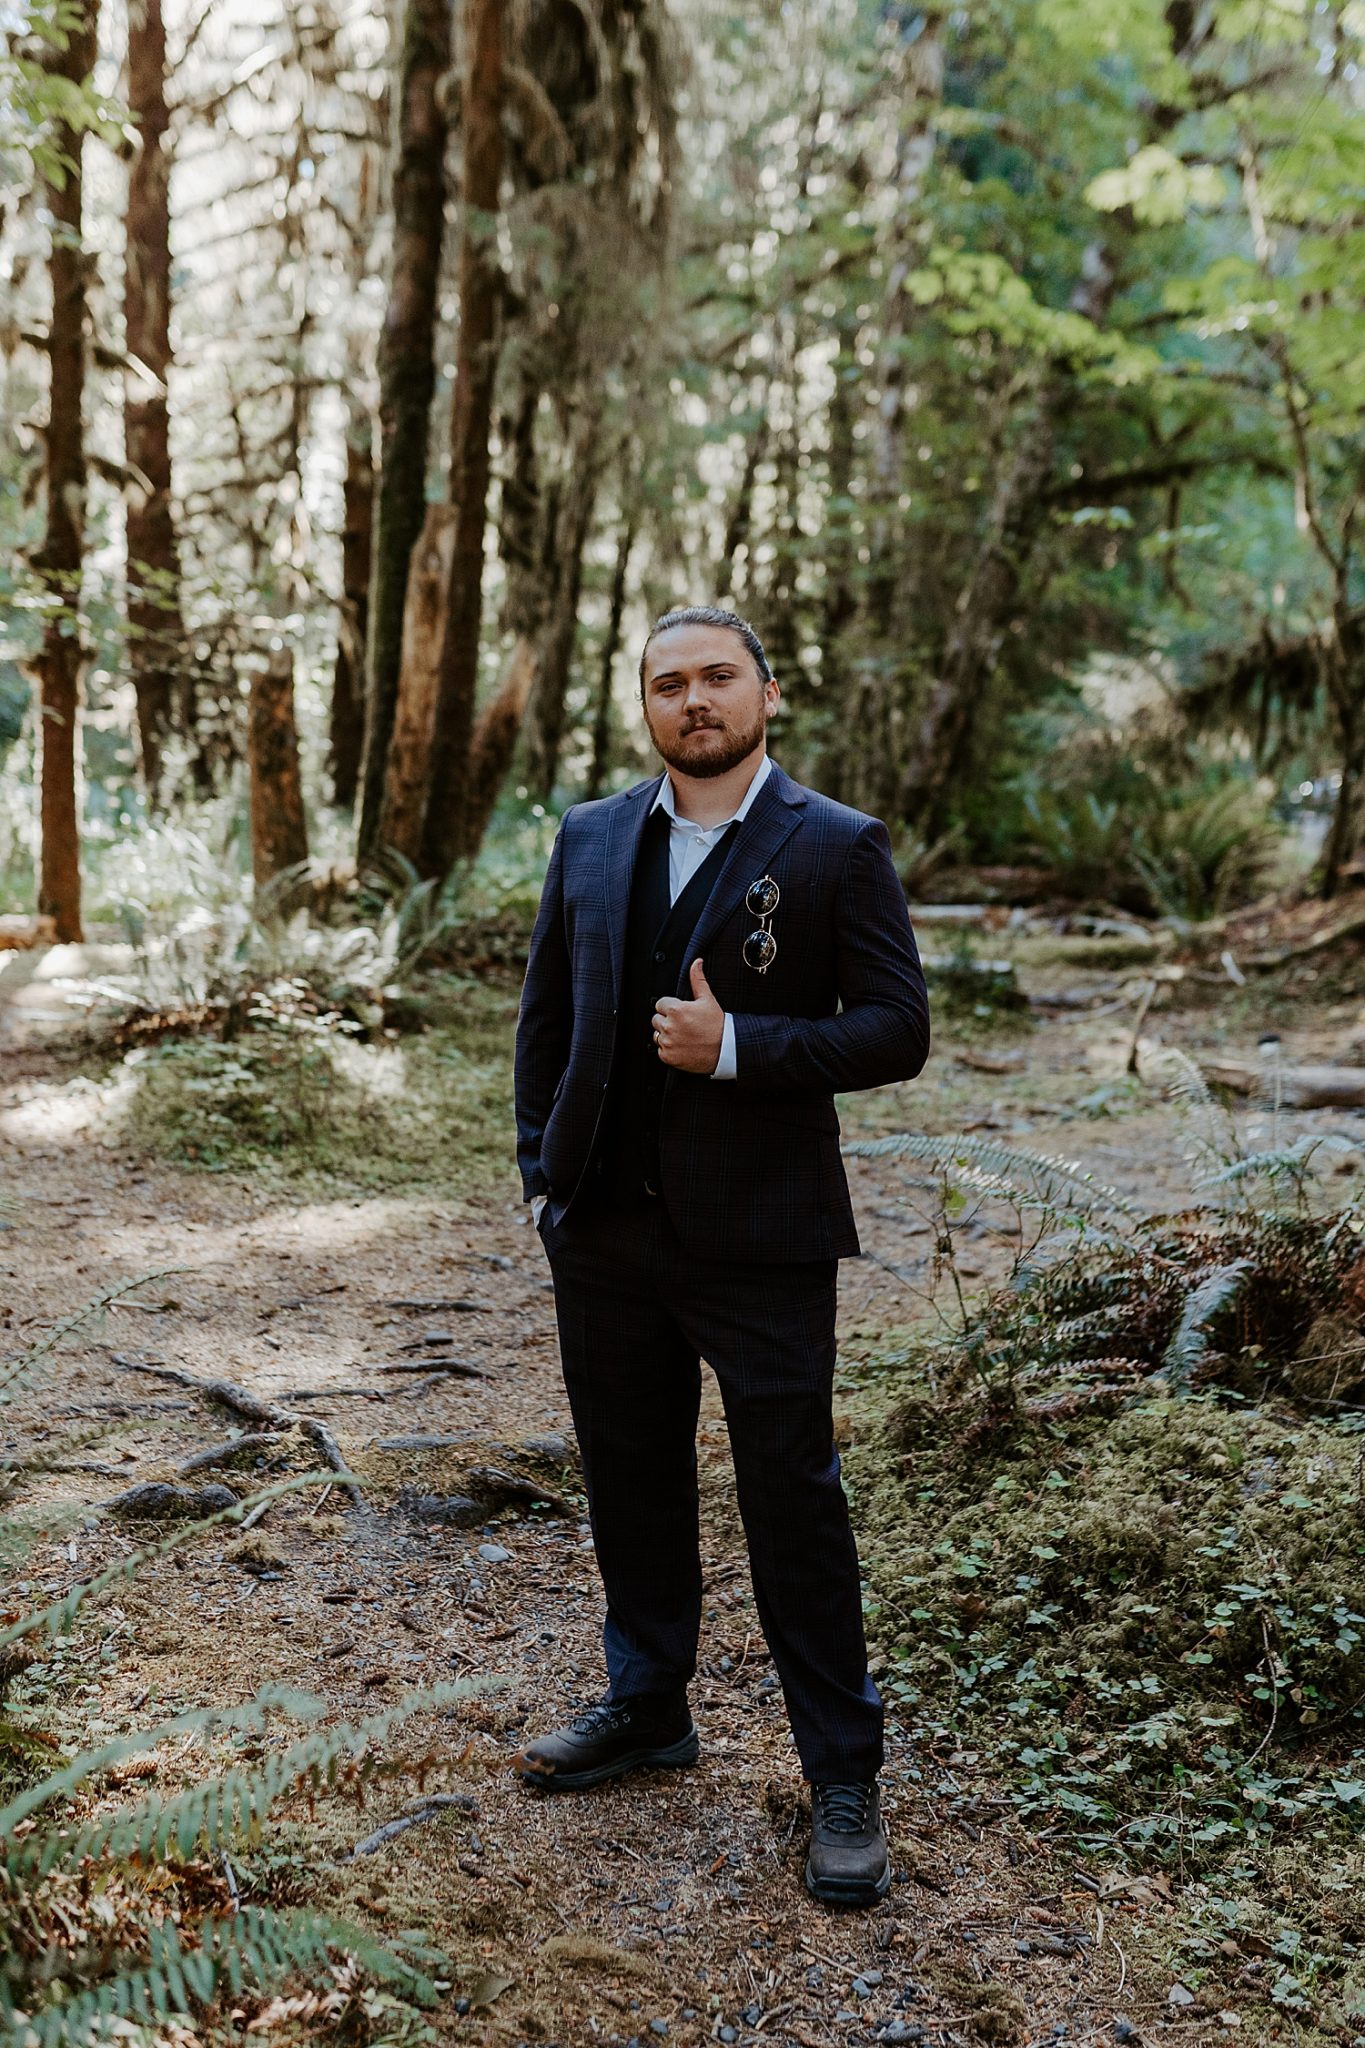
<point>62,658</point>
<point>346,727</point>
<point>156,627</point>
<point>1342,662</point>
<point>406,379</point>
<point>944,728</point>
<point>495,738</point>
<point>424,625</point>
<point>545,716</point>
<point>601,723</point>
<point>279,835</point>
<point>447,829</point>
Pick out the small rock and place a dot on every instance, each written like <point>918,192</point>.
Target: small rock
<point>158,1503</point>
<point>456,1508</point>
<point>727,1663</point>
<point>900,2030</point>
<point>1124,2030</point>
<point>751,2015</point>
<point>844,2013</point>
<point>872,1976</point>
<point>861,1988</point>
<point>462,2006</point>
<point>493,1553</point>
<point>554,1448</point>
<point>1179,1994</point>
<point>727,2034</point>
<point>658,2027</point>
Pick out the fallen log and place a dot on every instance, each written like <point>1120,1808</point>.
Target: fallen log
<point>1292,1087</point>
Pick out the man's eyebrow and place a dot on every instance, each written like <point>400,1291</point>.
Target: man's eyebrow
<point>666,675</point>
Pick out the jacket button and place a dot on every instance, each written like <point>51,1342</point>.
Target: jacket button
<point>659,953</point>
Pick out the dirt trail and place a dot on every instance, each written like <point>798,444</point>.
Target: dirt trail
<point>671,1906</point>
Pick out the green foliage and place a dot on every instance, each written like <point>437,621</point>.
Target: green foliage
<point>111,1915</point>
<point>1112,1521</point>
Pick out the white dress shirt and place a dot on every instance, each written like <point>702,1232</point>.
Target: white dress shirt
<point>688,846</point>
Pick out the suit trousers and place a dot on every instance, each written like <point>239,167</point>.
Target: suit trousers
<point>636,1315</point>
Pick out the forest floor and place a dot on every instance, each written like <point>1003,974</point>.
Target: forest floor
<point>670,1905</point>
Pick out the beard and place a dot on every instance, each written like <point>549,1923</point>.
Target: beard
<point>709,746</point>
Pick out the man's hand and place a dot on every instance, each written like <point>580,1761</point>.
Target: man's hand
<point>689,1035</point>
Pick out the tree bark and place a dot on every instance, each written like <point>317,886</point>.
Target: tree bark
<point>980,621</point>
<point>424,625</point>
<point>62,658</point>
<point>611,644</point>
<point>156,627</point>
<point>346,726</point>
<point>447,829</point>
<point>279,834</point>
<point>496,735</point>
<point>406,379</point>
<point>546,713</point>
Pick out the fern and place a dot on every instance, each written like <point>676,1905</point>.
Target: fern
<point>257,1945</point>
<point>1021,1174</point>
<point>1190,1340</point>
<point>208,1814</point>
<point>57,1617</point>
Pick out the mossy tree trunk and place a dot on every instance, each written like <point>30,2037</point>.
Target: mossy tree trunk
<point>62,657</point>
<point>406,380</point>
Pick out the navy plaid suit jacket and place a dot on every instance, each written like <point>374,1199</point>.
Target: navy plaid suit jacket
<point>751,1168</point>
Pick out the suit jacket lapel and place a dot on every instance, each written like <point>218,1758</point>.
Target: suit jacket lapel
<point>775,816</point>
<point>626,822</point>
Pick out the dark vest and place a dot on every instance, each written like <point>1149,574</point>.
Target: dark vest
<point>655,957</point>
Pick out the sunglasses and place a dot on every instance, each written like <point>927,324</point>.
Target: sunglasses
<point>760,948</point>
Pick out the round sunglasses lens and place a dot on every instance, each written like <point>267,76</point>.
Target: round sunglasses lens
<point>762,898</point>
<point>760,951</point>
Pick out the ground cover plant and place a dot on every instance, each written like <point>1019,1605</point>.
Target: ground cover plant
<point>137,1893</point>
<point>1113,1515</point>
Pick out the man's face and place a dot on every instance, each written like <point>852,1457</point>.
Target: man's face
<point>706,706</point>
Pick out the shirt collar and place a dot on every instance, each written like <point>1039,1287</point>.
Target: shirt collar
<point>665,800</point>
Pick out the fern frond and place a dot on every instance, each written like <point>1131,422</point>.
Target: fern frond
<point>1284,1160</point>
<point>1040,1171</point>
<point>216,1809</point>
<point>14,1371</point>
<point>259,1945</point>
<point>1061,1247</point>
<point>58,1615</point>
<point>1209,1129</point>
<point>1190,1339</point>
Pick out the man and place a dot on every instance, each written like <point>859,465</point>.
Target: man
<point>717,952</point>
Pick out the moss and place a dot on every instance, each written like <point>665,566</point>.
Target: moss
<point>304,1103</point>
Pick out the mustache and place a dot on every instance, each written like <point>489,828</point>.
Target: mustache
<point>703,725</point>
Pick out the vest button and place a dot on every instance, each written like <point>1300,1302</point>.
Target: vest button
<point>658,953</point>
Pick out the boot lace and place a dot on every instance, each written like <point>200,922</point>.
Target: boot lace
<point>843,1809</point>
<point>598,1719</point>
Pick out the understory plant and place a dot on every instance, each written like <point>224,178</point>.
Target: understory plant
<point>120,1901</point>
<point>1115,1519</point>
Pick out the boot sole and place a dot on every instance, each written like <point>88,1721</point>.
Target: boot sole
<point>847,1891</point>
<point>673,1757</point>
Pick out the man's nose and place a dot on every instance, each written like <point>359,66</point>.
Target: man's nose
<point>698,697</point>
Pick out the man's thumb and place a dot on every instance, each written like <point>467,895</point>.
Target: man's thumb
<point>701,987</point>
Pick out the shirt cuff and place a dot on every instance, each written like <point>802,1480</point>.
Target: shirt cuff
<point>727,1066</point>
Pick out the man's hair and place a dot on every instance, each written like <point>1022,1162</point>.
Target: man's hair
<point>708,615</point>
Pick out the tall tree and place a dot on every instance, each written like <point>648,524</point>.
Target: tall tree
<point>447,834</point>
<point>156,651</point>
<point>63,655</point>
<point>406,378</point>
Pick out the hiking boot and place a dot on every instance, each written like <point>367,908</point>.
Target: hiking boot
<point>848,1864</point>
<point>606,1740</point>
